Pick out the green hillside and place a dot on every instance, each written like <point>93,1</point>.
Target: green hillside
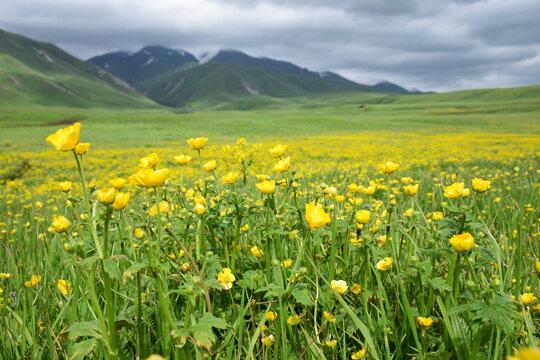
<point>215,85</point>
<point>38,73</point>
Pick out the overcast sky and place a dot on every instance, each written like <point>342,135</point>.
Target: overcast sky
<point>431,45</point>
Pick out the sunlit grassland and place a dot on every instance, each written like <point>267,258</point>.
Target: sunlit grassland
<point>133,295</point>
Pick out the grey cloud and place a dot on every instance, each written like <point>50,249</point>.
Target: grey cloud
<point>432,45</point>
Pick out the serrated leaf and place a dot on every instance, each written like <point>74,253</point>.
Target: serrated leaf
<point>439,284</point>
<point>180,335</point>
<point>212,321</point>
<point>83,348</point>
<point>301,295</point>
<point>203,335</point>
<point>86,328</point>
<point>111,268</point>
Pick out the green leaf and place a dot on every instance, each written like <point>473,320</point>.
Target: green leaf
<point>301,295</point>
<point>203,335</point>
<point>439,284</point>
<point>111,267</point>
<point>180,335</point>
<point>132,270</point>
<point>212,321</point>
<point>86,328</point>
<point>83,348</point>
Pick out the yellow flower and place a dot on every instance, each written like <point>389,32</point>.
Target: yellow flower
<point>356,289</point>
<point>424,322</point>
<point>362,216</point>
<point>182,159</point>
<point>210,165</point>
<point>106,196</point>
<point>65,186</point>
<point>331,343</point>
<point>118,183</point>
<point>64,286</point>
<point>149,161</point>
<point>230,178</point>
<point>463,242</point>
<point>245,228</point>
<point>271,316</point>
<point>409,212</point>
<point>437,215</point>
<point>528,298</point>
<point>149,178</point>
<point>537,266</point>
<point>82,148</point>
<point>339,285</point>
<point>266,187</point>
<point>121,200</point>
<point>389,167</point>
<point>261,177</point>
<point>60,223</point>
<point>198,143</point>
<point>226,278</point>
<point>139,233</point>
<point>526,354</point>
<point>316,217</point>
<point>359,354</point>
<point>268,340</point>
<point>479,185</point>
<point>454,191</point>
<point>155,357</point>
<point>466,192</point>
<point>410,189</point>
<point>385,264</point>
<point>258,253</point>
<point>287,263</point>
<point>65,139</point>
<point>293,320</point>
<point>283,165</point>
<point>5,275</point>
<point>329,317</point>
<point>33,281</point>
<point>278,150</point>
<point>200,209</point>
<point>369,190</point>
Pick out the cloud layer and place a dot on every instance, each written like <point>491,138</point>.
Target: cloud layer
<point>431,45</point>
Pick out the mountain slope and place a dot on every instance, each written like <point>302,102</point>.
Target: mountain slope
<point>147,62</point>
<point>33,72</point>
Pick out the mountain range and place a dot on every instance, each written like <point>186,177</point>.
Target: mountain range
<point>40,73</point>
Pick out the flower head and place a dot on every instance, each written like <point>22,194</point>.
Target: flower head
<point>329,317</point>
<point>356,289</point>
<point>60,224</point>
<point>410,189</point>
<point>479,185</point>
<point>64,286</point>
<point>362,216</point>
<point>389,167</point>
<point>340,286</point>
<point>149,177</point>
<point>106,196</point>
<point>226,278</point>
<point>121,200</point>
<point>271,316</point>
<point>454,191</point>
<point>149,161</point>
<point>258,253</point>
<point>82,148</point>
<point>528,298</point>
<point>65,186</point>
<point>463,242</point>
<point>198,143</point>
<point>278,150</point>
<point>230,178</point>
<point>293,320</point>
<point>182,159</point>
<point>437,215</point>
<point>65,139</point>
<point>526,354</point>
<point>33,281</point>
<point>210,165</point>
<point>118,183</point>
<point>283,165</point>
<point>424,322</point>
<point>385,264</point>
<point>266,186</point>
<point>359,354</point>
<point>316,217</point>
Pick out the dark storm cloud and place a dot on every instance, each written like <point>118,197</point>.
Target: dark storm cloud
<point>431,45</point>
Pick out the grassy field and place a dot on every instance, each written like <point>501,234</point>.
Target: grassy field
<point>320,249</point>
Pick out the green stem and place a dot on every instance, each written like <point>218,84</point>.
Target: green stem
<point>109,301</point>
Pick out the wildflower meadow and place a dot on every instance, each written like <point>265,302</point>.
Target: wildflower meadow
<point>372,245</point>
